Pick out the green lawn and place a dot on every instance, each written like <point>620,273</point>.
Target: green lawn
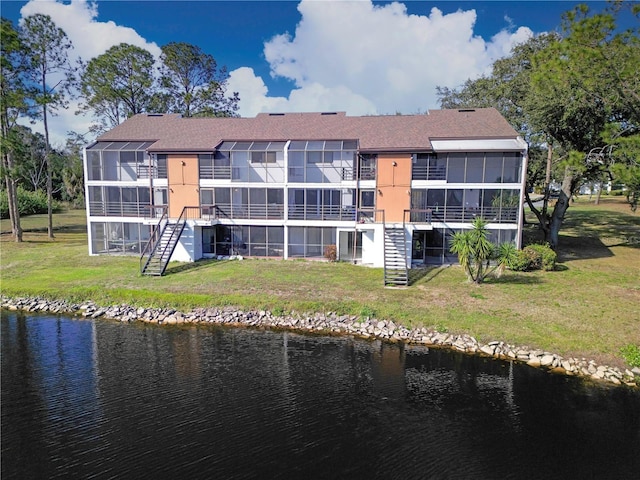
<point>589,307</point>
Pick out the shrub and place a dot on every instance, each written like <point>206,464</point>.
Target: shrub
<point>631,354</point>
<point>533,257</point>
<point>330,253</point>
<point>520,262</point>
<point>29,203</point>
<point>547,256</point>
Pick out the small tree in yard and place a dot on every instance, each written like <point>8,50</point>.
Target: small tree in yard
<point>476,252</point>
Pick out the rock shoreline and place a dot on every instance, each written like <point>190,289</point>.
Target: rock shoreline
<point>332,323</point>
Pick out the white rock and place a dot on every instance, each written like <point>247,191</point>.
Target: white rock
<point>486,349</point>
<point>546,360</point>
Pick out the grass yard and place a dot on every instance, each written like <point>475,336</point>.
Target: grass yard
<point>589,306</point>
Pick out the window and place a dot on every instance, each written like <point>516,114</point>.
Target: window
<point>205,166</point>
<point>493,168</point>
<point>254,203</point>
<point>314,157</point>
<point>456,169</point>
<point>367,198</point>
<point>318,161</point>
<point>257,241</point>
<point>475,167</point>
<point>117,161</point>
<point>322,204</point>
<point>161,166</point>
<point>310,241</point>
<point>263,157</point>
<point>118,238</point>
<point>511,172</point>
<point>261,162</point>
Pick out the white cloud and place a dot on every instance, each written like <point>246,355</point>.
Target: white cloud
<point>312,98</point>
<point>90,38</point>
<point>376,59</point>
<point>254,92</point>
<point>344,55</point>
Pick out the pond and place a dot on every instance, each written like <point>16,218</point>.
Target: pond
<point>101,399</point>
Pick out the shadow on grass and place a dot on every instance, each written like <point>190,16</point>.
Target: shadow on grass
<point>191,266</point>
<point>605,224</point>
<point>516,278</point>
<point>427,273</point>
<point>590,233</point>
<point>582,248</point>
<point>77,228</point>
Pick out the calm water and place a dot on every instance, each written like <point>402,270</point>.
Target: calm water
<point>99,399</point>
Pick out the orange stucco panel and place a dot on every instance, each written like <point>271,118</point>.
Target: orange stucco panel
<point>182,175</point>
<point>394,186</point>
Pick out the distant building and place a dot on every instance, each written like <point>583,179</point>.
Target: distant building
<point>386,191</point>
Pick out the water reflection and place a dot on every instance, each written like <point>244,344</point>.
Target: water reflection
<point>83,398</point>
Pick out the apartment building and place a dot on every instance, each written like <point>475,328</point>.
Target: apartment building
<point>386,191</point>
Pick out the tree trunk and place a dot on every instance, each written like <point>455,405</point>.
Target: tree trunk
<point>557,217</point>
<point>600,184</point>
<point>12,189</point>
<point>12,197</point>
<point>547,180</point>
<point>47,153</point>
<point>541,215</point>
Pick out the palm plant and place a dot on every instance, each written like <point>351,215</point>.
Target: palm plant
<point>476,252</point>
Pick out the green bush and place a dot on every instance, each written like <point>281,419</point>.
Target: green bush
<point>519,262</point>
<point>547,256</point>
<point>533,257</point>
<point>631,354</point>
<point>29,203</point>
<point>525,260</point>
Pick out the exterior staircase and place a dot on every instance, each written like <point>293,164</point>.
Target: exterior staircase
<point>156,255</point>
<point>396,273</point>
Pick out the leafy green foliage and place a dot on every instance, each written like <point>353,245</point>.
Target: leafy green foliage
<point>13,105</point>
<point>631,354</point>
<point>48,47</point>
<point>192,84</point>
<point>523,261</point>
<point>117,84</point>
<point>29,203</point>
<point>547,256</point>
<point>534,257</point>
<point>575,95</point>
<point>476,252</point>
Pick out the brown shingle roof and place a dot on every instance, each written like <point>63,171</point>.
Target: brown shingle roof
<point>171,132</point>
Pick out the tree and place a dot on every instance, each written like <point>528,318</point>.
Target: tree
<point>575,96</point>
<point>588,98</point>
<point>48,48</point>
<point>118,84</point>
<point>476,252</point>
<point>31,167</point>
<point>72,169</point>
<point>192,83</point>
<point>13,105</point>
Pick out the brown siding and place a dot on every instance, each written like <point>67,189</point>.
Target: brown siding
<point>182,173</point>
<point>394,185</point>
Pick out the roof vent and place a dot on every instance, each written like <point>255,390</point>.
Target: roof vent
<point>462,110</point>
<point>276,114</point>
<point>329,113</point>
<point>155,114</point>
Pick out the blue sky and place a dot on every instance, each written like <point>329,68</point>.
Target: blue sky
<point>309,55</point>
